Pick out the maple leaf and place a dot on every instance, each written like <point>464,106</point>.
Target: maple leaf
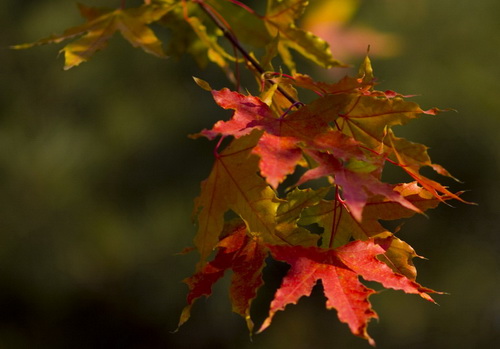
<point>362,119</point>
<point>357,185</point>
<point>271,93</point>
<point>368,120</point>
<point>289,212</point>
<point>339,271</point>
<point>411,157</point>
<point>339,145</point>
<point>280,147</point>
<point>240,253</point>
<point>368,116</point>
<point>279,156</point>
<point>247,109</point>
<point>215,52</point>
<point>246,25</point>
<point>340,226</point>
<point>233,184</point>
<point>358,85</point>
<point>361,84</point>
<point>280,19</point>
<point>345,85</point>
<point>183,38</point>
<point>285,136</point>
<point>100,27</point>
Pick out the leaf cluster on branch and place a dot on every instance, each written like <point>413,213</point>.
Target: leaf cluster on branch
<point>288,165</point>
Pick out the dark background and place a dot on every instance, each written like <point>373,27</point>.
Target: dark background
<point>97,178</point>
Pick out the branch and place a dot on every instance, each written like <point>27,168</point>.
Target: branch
<point>234,41</point>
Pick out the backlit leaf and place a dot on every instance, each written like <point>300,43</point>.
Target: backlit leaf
<point>290,210</point>
<point>280,148</point>
<point>245,257</point>
<point>357,186</point>
<point>234,185</point>
<point>244,23</point>
<point>280,18</point>
<point>340,226</point>
<point>339,271</point>
<point>215,52</point>
<point>100,27</point>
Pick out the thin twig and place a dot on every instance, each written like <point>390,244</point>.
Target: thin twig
<point>234,41</point>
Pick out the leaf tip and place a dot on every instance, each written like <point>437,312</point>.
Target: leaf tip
<point>371,341</point>
<point>20,46</point>
<point>185,251</point>
<point>365,70</point>
<point>202,83</point>
<point>264,325</point>
<point>185,315</point>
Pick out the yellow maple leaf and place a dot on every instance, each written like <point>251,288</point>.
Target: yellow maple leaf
<point>101,25</point>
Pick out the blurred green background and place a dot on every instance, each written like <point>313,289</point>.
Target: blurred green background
<point>97,179</point>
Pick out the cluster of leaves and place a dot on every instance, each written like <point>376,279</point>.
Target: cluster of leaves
<point>192,32</point>
<point>331,152</point>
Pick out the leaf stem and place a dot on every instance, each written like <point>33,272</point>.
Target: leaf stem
<point>296,105</point>
<point>216,149</point>
<point>234,41</point>
<point>337,206</point>
<point>245,7</point>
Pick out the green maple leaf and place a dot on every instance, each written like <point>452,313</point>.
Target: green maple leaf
<point>215,52</point>
<point>289,212</point>
<point>244,23</point>
<point>280,19</point>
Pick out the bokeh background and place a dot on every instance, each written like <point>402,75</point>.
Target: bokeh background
<point>97,180</point>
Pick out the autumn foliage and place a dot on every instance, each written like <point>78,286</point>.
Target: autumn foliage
<point>282,166</point>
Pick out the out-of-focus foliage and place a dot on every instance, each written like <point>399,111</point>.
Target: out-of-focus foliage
<point>204,19</point>
<point>101,24</point>
<point>94,203</point>
<point>334,21</point>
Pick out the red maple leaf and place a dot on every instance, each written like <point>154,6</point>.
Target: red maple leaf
<point>357,187</point>
<point>245,256</point>
<point>284,137</point>
<point>247,109</point>
<point>339,271</point>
